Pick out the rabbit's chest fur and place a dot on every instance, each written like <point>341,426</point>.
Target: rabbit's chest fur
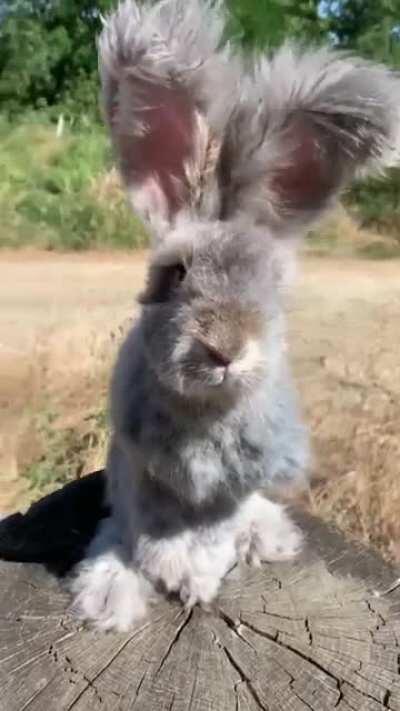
<point>200,456</point>
<point>198,460</point>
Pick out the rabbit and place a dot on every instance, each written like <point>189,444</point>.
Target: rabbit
<point>229,161</point>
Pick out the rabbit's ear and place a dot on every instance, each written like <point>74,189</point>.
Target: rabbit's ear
<point>166,92</point>
<point>307,123</point>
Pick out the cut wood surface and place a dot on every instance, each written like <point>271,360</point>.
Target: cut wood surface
<point>290,637</point>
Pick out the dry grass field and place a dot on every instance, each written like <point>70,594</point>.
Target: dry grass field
<point>60,321</point>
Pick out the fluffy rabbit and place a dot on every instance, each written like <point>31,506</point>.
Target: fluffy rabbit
<point>229,164</point>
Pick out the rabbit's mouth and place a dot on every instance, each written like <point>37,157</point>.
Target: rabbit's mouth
<point>216,376</point>
<point>199,370</point>
<point>246,368</point>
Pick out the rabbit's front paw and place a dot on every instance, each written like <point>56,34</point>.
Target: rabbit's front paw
<point>283,543</point>
<point>199,590</point>
<point>108,593</point>
<point>164,562</point>
<point>268,534</point>
<point>191,564</point>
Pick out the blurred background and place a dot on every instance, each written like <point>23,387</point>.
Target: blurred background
<point>72,258</point>
<point>48,79</point>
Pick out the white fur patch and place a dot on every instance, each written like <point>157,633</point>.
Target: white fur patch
<point>251,359</point>
<point>113,592</point>
<point>107,590</point>
<point>192,563</point>
<point>266,532</point>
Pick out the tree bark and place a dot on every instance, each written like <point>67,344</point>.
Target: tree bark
<point>285,637</point>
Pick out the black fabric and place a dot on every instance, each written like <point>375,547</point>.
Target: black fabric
<point>56,529</point>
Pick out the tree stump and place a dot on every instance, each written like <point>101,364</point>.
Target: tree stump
<point>290,637</point>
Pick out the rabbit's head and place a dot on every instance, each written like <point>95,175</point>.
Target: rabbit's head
<point>211,318</point>
<point>228,160</point>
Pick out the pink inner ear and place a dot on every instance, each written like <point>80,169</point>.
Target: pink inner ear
<point>309,177</point>
<point>168,142</point>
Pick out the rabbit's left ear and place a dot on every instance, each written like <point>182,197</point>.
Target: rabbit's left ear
<point>307,124</point>
<point>166,94</point>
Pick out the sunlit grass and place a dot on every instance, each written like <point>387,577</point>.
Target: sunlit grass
<point>52,192</point>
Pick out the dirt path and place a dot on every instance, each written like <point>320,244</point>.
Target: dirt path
<point>63,312</point>
<point>42,293</point>
<point>48,292</point>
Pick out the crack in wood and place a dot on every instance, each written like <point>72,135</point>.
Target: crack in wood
<point>303,701</point>
<point>34,658</point>
<point>24,618</point>
<point>28,662</point>
<point>174,640</point>
<point>308,630</point>
<point>139,686</point>
<point>70,669</point>
<point>234,627</point>
<point>331,649</point>
<point>191,698</point>
<point>338,681</point>
<point>137,690</point>
<point>340,697</point>
<point>383,702</point>
<point>91,683</point>
<point>369,696</point>
<point>292,678</point>
<point>277,616</point>
<point>295,651</point>
<point>36,695</point>
<point>170,707</point>
<point>244,678</point>
<point>376,614</point>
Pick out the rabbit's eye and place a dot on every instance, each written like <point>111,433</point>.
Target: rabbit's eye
<point>175,275</point>
<point>163,281</point>
<point>180,272</point>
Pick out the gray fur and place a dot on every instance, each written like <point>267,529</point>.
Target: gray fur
<point>302,112</point>
<point>190,451</point>
<point>204,411</point>
<point>347,107</point>
<point>196,439</point>
<point>170,46</point>
<point>169,41</point>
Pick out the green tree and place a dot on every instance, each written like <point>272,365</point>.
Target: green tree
<point>370,27</point>
<point>266,23</point>
<point>48,54</point>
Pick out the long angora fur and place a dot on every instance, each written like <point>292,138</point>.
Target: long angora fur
<point>229,161</point>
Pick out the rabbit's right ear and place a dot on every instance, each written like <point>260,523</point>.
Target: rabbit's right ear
<point>307,123</point>
<point>167,93</point>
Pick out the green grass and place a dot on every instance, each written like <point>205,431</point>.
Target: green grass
<point>66,450</point>
<point>380,251</point>
<point>63,193</point>
<point>341,234</point>
<point>59,193</point>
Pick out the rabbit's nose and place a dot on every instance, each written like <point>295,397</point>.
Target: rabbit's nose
<point>218,358</point>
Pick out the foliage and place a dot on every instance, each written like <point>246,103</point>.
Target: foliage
<point>65,450</point>
<point>376,203</point>
<point>48,47</point>
<point>48,67</point>
<point>366,26</point>
<point>61,198</point>
<point>266,23</point>
<point>48,54</point>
